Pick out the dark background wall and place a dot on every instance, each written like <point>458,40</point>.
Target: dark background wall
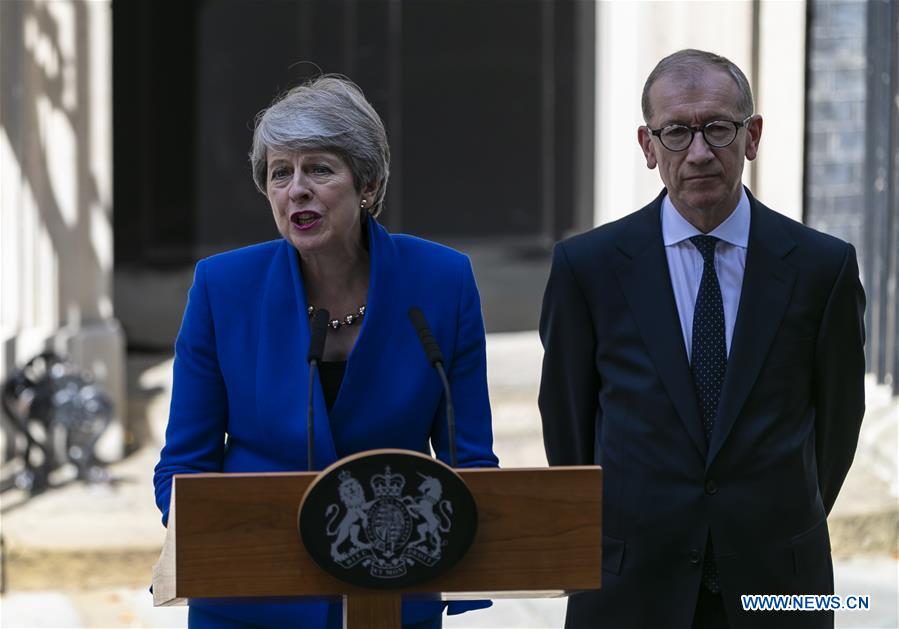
<point>478,99</point>
<point>460,84</point>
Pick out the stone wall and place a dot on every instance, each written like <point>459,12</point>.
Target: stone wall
<point>56,200</point>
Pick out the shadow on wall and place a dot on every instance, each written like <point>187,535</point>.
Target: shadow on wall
<point>44,117</point>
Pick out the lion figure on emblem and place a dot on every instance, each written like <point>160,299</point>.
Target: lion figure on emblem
<point>353,497</point>
<point>424,506</point>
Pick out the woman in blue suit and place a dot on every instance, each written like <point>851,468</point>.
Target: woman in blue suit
<point>239,402</point>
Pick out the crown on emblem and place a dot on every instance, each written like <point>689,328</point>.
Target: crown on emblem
<point>387,485</point>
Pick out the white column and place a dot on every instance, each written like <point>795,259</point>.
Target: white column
<point>780,98</point>
<point>56,180</point>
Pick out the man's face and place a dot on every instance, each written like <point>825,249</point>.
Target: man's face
<point>703,181</point>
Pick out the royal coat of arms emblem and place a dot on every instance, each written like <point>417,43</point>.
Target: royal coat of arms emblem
<point>384,533</point>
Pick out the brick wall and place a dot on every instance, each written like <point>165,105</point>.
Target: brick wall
<point>835,118</point>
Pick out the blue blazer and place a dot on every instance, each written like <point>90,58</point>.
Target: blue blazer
<point>240,370</point>
<point>617,391</point>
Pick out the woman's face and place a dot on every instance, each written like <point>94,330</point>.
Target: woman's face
<point>315,204</point>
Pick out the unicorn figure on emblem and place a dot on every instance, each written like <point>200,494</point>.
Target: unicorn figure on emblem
<point>424,506</point>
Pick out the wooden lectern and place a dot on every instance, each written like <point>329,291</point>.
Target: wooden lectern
<point>236,536</point>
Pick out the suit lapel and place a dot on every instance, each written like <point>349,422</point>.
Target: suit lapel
<point>382,312</point>
<point>767,284</point>
<point>283,374</point>
<point>642,269</point>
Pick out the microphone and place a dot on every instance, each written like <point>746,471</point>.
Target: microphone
<point>435,357</point>
<point>316,349</point>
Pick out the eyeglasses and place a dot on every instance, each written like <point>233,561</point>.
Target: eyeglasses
<point>717,133</point>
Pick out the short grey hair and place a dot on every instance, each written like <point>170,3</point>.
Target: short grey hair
<point>687,64</point>
<point>328,113</point>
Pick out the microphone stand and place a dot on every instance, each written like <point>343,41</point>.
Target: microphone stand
<point>435,357</point>
<point>316,349</point>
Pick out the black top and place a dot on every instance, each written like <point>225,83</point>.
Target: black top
<point>331,375</point>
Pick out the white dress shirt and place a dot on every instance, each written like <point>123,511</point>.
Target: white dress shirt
<point>685,264</point>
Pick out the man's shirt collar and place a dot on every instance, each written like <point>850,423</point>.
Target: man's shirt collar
<point>734,229</point>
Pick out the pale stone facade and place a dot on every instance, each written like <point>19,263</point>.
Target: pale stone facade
<point>56,237</point>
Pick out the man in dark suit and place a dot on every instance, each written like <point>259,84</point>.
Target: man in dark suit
<point>708,353</point>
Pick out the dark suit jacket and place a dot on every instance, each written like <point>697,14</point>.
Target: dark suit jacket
<point>617,391</point>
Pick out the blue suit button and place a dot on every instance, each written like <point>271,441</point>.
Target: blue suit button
<point>711,488</point>
<point>695,557</point>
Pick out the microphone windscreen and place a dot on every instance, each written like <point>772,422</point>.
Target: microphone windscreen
<point>428,343</point>
<point>319,334</point>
